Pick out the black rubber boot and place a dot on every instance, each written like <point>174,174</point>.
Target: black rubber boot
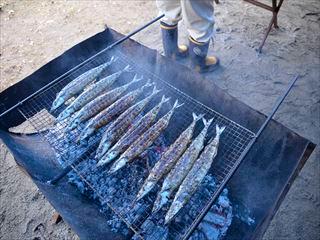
<point>170,42</point>
<point>199,60</point>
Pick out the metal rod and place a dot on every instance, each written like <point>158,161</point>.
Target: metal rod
<point>57,178</point>
<point>83,63</point>
<point>204,211</point>
<point>277,105</point>
<point>69,168</point>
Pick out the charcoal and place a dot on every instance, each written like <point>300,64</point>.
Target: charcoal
<point>152,230</point>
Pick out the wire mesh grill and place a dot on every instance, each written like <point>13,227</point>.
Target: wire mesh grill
<point>233,142</point>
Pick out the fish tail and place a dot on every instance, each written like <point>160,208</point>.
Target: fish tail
<point>207,123</point>
<point>113,59</point>
<point>148,84</point>
<point>155,91</point>
<point>120,163</point>
<point>162,199</point>
<point>146,188</point>
<point>164,99</point>
<point>105,147</point>
<point>66,113</point>
<point>107,64</point>
<point>108,157</point>
<point>219,130</point>
<point>75,121</point>
<point>88,131</point>
<point>104,160</point>
<point>128,68</point>
<point>197,117</point>
<point>136,78</point>
<point>177,105</point>
<point>174,209</point>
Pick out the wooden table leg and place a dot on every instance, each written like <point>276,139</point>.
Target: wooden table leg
<point>275,13</point>
<point>267,32</point>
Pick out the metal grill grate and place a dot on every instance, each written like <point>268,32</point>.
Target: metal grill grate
<point>233,142</point>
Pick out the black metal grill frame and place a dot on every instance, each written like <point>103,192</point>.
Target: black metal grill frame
<point>228,157</point>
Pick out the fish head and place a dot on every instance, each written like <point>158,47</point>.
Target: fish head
<point>57,103</point>
<point>66,113</point>
<point>111,155</point>
<point>148,185</point>
<point>86,133</point>
<point>101,163</point>
<point>74,123</point>
<point>106,147</point>
<point>174,209</point>
<point>118,165</point>
<point>161,200</point>
<point>107,158</point>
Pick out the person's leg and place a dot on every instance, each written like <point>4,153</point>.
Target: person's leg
<point>171,10</point>
<point>169,28</point>
<point>199,19</point>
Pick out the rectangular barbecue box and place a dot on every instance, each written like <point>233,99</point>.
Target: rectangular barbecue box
<point>257,161</point>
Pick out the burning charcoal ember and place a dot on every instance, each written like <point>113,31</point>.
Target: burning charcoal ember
<point>115,223</point>
<point>243,213</point>
<point>217,221</point>
<point>67,150</point>
<point>152,230</point>
<point>78,182</point>
<point>198,235</point>
<point>118,190</point>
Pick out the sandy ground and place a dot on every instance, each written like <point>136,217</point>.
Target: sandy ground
<point>34,32</point>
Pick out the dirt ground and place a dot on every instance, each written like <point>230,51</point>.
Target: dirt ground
<point>34,32</point>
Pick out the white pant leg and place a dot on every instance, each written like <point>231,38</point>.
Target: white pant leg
<point>171,9</point>
<point>199,18</point>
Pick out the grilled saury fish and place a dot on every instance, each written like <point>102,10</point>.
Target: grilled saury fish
<point>121,124</point>
<point>91,93</point>
<point>78,84</point>
<point>182,167</point>
<point>105,116</point>
<point>195,176</point>
<point>144,141</point>
<point>169,158</point>
<point>100,103</point>
<point>134,132</point>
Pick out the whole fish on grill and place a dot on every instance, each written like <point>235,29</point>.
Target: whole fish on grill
<point>182,167</point>
<point>134,132</point>
<point>121,124</point>
<point>195,176</point>
<point>105,116</point>
<point>91,93</point>
<point>144,141</point>
<point>169,158</point>
<point>100,103</point>
<point>78,84</point>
